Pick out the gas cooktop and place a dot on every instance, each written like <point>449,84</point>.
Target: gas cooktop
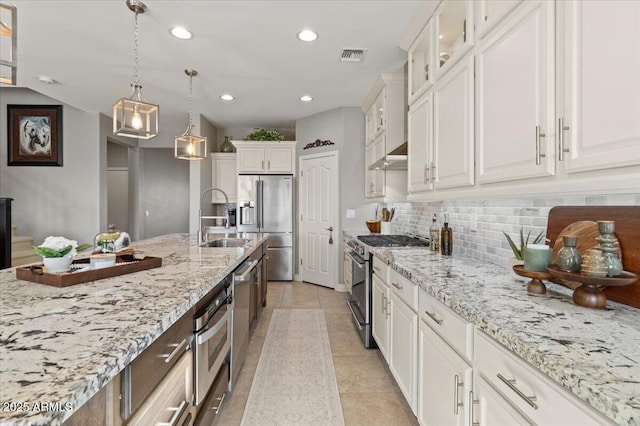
<point>392,241</point>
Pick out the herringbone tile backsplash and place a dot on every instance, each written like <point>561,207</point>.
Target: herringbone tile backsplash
<point>492,217</point>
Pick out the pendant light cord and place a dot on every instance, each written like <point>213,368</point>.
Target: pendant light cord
<point>136,77</point>
<point>190,99</point>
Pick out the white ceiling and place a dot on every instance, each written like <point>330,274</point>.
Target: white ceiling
<point>246,48</point>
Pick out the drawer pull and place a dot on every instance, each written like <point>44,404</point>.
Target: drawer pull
<point>375,268</point>
<point>221,399</point>
<point>176,351</point>
<point>399,287</point>
<point>178,414</point>
<point>433,317</point>
<point>456,385</point>
<point>512,385</point>
<point>384,303</point>
<point>472,402</point>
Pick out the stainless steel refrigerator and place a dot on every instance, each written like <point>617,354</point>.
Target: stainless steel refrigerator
<point>265,204</point>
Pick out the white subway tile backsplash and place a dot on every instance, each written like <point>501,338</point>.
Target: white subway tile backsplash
<point>493,216</point>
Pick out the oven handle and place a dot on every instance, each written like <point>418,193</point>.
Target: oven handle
<point>202,338</point>
<point>359,325</point>
<point>357,259</point>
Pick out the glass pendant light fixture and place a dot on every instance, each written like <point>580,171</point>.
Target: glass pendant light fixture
<point>133,117</point>
<point>8,44</point>
<point>190,146</point>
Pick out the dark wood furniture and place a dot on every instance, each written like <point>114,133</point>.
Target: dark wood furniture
<point>5,232</point>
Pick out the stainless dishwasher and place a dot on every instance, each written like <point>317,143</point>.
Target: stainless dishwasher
<point>243,278</point>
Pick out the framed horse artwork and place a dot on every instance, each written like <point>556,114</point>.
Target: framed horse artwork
<point>34,135</point>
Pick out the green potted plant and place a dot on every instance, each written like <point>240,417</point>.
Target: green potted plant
<point>518,250</point>
<point>264,135</point>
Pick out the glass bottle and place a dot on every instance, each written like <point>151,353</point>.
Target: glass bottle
<point>434,235</point>
<point>226,146</point>
<point>446,237</point>
<point>568,258</point>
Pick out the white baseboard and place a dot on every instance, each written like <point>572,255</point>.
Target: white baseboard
<point>296,277</point>
<point>341,288</point>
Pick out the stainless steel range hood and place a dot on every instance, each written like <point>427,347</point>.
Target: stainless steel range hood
<point>395,160</point>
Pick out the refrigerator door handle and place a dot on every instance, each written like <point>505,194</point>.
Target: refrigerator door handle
<point>258,224</point>
<point>261,204</point>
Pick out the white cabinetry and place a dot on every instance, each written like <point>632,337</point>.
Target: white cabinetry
<point>453,22</point>
<point>490,408</point>
<point>421,71</point>
<point>385,133</point>
<point>514,96</point>
<point>224,176</point>
<point>490,12</point>
<point>265,157</point>
<point>380,306</point>
<point>528,391</point>
<point>601,104</point>
<point>420,123</point>
<point>403,336</point>
<point>453,125</point>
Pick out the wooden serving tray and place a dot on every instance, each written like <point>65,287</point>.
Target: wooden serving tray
<point>36,274</point>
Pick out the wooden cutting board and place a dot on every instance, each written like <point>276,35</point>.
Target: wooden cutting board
<point>585,230</point>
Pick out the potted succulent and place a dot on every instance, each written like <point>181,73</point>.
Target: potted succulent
<point>264,135</point>
<point>518,250</point>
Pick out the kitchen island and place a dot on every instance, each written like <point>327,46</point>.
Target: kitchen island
<point>594,354</point>
<point>60,346</point>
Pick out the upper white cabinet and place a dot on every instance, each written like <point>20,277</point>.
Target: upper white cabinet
<point>265,157</point>
<point>453,127</point>
<point>514,96</point>
<point>453,33</point>
<point>420,123</point>
<point>224,176</point>
<point>421,71</point>
<point>490,12</point>
<point>601,85</point>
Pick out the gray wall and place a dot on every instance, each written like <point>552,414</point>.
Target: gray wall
<point>344,127</point>
<point>63,200</point>
<point>200,173</point>
<point>165,193</point>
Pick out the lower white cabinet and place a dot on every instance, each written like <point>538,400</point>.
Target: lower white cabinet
<point>490,408</point>
<point>170,402</point>
<point>380,314</point>
<point>444,381</point>
<point>403,351</point>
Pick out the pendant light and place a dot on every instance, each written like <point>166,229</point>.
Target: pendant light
<point>133,117</point>
<point>190,146</point>
<point>8,44</point>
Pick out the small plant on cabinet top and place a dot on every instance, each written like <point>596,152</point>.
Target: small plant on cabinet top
<point>264,135</point>
<point>518,252</point>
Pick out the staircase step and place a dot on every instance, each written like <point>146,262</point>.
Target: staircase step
<point>21,243</point>
<point>24,257</point>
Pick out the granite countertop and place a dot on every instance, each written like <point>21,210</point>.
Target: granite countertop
<point>62,345</point>
<point>595,354</point>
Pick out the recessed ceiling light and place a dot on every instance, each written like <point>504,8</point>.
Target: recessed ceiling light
<point>307,35</point>
<point>181,33</point>
<point>227,97</point>
<point>306,98</point>
<point>46,79</point>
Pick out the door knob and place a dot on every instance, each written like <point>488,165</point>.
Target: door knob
<point>330,229</point>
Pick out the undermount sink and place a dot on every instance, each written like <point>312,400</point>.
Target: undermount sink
<point>227,242</point>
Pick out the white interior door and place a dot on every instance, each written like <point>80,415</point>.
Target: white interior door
<point>318,206</point>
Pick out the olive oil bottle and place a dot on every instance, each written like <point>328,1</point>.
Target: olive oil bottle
<point>446,237</point>
<point>434,235</point>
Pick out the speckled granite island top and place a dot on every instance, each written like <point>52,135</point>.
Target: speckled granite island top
<point>595,354</point>
<point>62,345</point>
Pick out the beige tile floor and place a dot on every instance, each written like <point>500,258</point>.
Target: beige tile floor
<point>368,392</point>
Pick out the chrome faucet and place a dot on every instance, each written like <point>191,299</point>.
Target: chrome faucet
<point>201,232</point>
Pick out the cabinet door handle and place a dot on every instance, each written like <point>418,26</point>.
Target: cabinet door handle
<point>178,414</point>
<point>221,399</point>
<point>456,385</point>
<point>269,164</point>
<point>384,303</point>
<point>538,154</point>
<point>176,351</point>
<point>399,287</point>
<point>426,173</point>
<point>512,385</point>
<point>433,172</point>
<point>472,402</point>
<point>433,317</point>
<point>561,148</point>
<point>263,164</point>
<point>376,269</point>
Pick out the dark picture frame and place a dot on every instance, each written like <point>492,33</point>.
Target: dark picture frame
<point>34,135</point>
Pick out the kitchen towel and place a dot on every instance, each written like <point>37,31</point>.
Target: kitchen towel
<point>295,381</point>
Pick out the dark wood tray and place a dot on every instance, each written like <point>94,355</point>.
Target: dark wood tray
<point>36,273</point>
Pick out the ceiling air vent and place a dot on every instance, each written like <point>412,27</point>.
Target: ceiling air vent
<point>352,55</point>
